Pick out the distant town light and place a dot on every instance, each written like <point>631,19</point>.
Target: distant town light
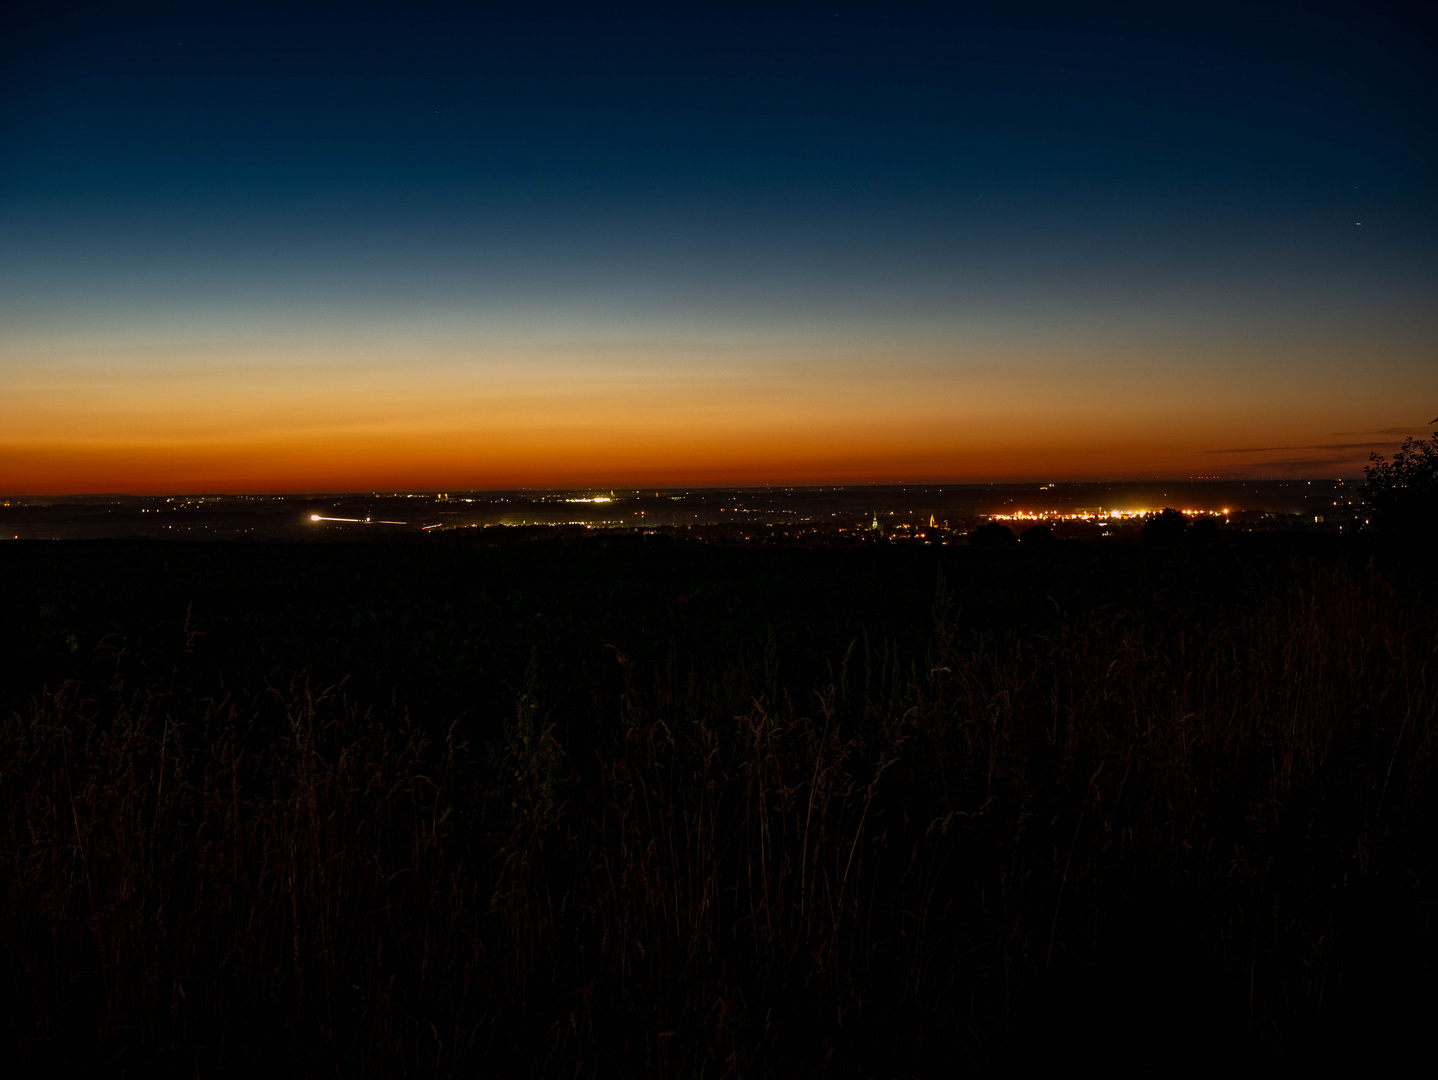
<point>1094,514</point>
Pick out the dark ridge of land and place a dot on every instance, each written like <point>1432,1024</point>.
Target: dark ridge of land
<point>622,804</point>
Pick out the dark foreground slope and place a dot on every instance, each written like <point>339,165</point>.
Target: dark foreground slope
<point>665,809</point>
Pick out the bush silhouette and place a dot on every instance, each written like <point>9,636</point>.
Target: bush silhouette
<point>1203,531</point>
<point>1402,494</point>
<point>992,534</point>
<point>1037,534</point>
<point>1167,528</point>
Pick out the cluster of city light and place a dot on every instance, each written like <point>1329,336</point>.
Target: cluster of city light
<point>595,499</point>
<point>1096,515</point>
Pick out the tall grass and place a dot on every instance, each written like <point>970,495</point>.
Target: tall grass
<point>1186,817</point>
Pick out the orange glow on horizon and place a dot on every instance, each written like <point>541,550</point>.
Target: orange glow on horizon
<point>579,459</point>
<point>338,413</point>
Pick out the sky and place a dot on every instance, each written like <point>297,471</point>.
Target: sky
<point>314,248</point>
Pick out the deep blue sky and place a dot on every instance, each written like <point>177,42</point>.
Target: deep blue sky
<point>846,235</point>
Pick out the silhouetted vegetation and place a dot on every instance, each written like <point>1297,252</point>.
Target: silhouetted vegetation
<point>1037,535</point>
<point>627,809</point>
<point>1165,528</point>
<point>992,534</point>
<point>1402,494</point>
<point>1203,532</point>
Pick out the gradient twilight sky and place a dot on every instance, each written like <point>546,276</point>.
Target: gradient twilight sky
<point>296,247</point>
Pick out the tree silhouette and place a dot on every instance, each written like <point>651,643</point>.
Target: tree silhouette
<point>1402,494</point>
<point>1167,528</point>
<point>1037,535</point>
<point>992,534</point>
<point>1203,531</point>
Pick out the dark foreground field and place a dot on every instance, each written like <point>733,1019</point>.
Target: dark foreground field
<point>661,809</point>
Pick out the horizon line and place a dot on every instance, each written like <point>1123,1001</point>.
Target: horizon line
<point>637,489</point>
